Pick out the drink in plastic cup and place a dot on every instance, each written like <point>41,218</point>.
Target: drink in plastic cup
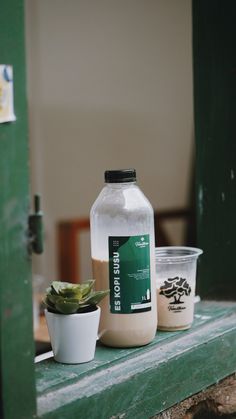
<point>176,279</point>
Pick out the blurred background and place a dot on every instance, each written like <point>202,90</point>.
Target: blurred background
<point>109,86</point>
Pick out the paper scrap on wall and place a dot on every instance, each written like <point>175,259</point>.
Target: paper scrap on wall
<point>6,94</point>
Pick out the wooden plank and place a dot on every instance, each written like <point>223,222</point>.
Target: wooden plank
<point>141,382</point>
<point>214,34</point>
<point>68,237</point>
<point>67,252</point>
<point>16,343</point>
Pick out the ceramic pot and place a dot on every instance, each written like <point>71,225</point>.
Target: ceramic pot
<point>73,336</point>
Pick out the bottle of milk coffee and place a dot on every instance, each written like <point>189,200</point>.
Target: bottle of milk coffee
<point>122,248</point>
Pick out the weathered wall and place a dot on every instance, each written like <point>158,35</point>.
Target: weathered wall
<point>110,86</point>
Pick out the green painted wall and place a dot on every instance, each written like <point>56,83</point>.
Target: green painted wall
<point>214,57</point>
<point>16,345</point>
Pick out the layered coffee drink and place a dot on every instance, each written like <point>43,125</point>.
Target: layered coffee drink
<point>121,330</point>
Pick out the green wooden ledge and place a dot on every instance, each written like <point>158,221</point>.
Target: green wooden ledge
<point>141,382</point>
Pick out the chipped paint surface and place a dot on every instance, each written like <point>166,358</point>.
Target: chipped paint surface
<point>120,381</point>
<point>202,317</point>
<point>16,343</point>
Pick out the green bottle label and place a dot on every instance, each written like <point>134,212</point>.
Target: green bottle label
<point>129,274</point>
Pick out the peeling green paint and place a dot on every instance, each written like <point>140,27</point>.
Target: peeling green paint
<point>16,345</point>
<point>141,382</point>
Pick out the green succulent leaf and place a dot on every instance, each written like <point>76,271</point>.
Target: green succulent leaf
<point>86,308</point>
<point>48,290</point>
<point>95,297</point>
<point>73,292</point>
<point>53,298</point>
<point>57,286</point>
<point>48,303</point>
<point>67,298</point>
<point>67,307</point>
<point>86,287</point>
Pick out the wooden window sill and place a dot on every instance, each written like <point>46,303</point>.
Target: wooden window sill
<point>141,382</point>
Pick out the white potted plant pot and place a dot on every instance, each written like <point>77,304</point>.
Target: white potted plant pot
<point>73,337</point>
<point>73,316</point>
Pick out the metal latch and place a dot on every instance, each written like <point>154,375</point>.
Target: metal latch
<point>36,228</point>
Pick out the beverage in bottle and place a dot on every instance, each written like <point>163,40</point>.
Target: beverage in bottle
<point>123,259</point>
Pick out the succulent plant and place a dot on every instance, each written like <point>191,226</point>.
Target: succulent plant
<point>67,298</point>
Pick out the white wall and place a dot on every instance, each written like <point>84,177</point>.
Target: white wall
<point>110,86</point>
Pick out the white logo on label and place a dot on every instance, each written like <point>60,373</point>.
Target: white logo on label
<point>141,243</point>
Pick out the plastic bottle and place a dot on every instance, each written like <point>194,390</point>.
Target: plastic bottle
<point>122,248</point>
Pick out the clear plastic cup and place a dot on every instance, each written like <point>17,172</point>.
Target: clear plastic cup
<point>176,280</point>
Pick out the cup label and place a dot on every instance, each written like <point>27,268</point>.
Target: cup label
<point>175,288</point>
<point>129,274</point>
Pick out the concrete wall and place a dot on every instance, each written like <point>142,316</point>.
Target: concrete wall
<point>110,86</point>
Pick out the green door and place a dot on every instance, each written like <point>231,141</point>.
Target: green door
<point>214,35</point>
<point>16,344</point>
